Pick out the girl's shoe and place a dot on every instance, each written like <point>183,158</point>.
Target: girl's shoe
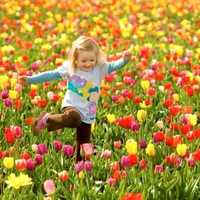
<point>40,123</point>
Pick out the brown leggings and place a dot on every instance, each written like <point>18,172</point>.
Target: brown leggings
<point>70,118</point>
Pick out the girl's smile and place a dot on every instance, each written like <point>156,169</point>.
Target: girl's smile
<point>86,60</point>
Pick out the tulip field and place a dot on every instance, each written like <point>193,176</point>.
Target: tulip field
<point>145,142</point>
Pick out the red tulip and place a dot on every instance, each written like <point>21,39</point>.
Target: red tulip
<point>10,137</point>
<point>196,155</point>
<point>142,164</point>
<point>1,154</point>
<point>20,164</point>
<point>190,136</point>
<point>25,156</point>
<point>63,176</point>
<point>174,110</point>
<point>185,128</point>
<point>197,132</point>
<point>130,196</point>
<point>117,144</point>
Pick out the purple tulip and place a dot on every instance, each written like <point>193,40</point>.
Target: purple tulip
<point>30,164</point>
<point>125,93</point>
<point>143,144</point>
<point>58,145</point>
<point>4,95</point>
<point>88,166</point>
<point>7,102</point>
<point>68,150</point>
<point>79,167</point>
<point>125,161</point>
<point>159,168</point>
<point>115,98</point>
<point>191,162</point>
<point>155,139</point>
<point>42,149</point>
<point>38,159</point>
<point>111,181</point>
<point>134,126</point>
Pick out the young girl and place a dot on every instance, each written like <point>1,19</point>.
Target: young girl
<point>85,70</point>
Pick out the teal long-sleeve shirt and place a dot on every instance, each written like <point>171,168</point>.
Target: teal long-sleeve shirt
<point>53,75</point>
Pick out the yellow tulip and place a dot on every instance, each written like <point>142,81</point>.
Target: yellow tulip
<point>8,162</point>
<point>3,81</point>
<point>176,97</point>
<point>92,127</point>
<point>111,118</point>
<point>181,149</point>
<point>13,94</point>
<point>145,84</point>
<point>143,105</point>
<point>150,150</point>
<point>131,146</point>
<point>141,115</point>
<point>81,175</point>
<point>192,119</point>
<point>13,82</point>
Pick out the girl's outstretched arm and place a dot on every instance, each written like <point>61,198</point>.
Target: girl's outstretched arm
<point>43,77</point>
<point>126,57</point>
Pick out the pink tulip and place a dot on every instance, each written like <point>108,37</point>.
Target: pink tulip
<point>88,166</point>
<point>58,145</point>
<point>17,131</point>
<point>87,149</point>
<point>159,169</point>
<point>31,164</point>
<point>50,95</point>
<point>79,167</point>
<point>38,159</point>
<point>49,186</point>
<point>68,150</point>
<point>42,149</point>
<point>4,95</point>
<point>111,181</point>
<point>7,102</point>
<point>107,154</point>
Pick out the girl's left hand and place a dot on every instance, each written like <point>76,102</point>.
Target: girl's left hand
<point>126,54</point>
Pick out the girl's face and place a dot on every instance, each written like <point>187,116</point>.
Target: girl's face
<point>86,60</point>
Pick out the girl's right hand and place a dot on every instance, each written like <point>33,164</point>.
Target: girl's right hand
<point>22,80</point>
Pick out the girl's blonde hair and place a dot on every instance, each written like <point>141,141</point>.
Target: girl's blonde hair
<point>85,43</point>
